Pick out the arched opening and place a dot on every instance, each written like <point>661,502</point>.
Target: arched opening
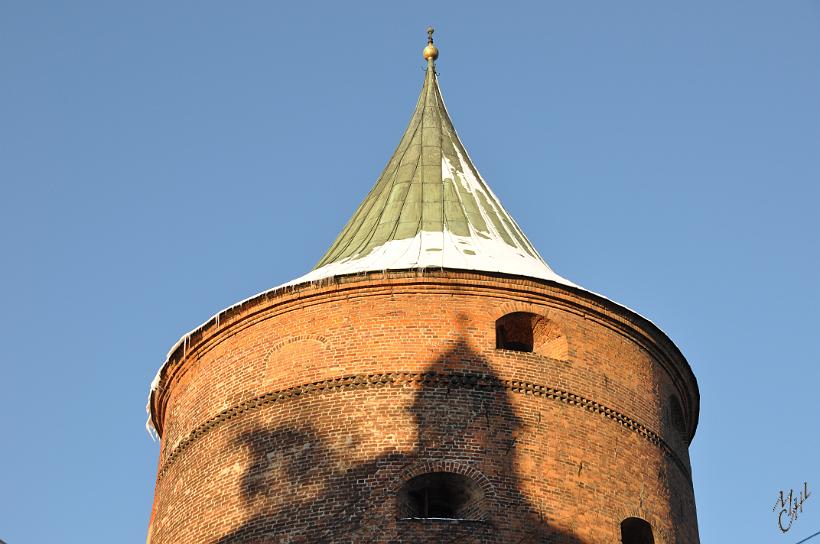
<point>636,531</point>
<point>515,331</point>
<point>526,332</point>
<point>441,495</point>
<point>676,420</point>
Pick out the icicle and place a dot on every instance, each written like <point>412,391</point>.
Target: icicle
<point>152,432</point>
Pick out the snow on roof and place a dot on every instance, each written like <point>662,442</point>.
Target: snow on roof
<point>431,208</point>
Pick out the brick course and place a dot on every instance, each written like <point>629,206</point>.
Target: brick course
<point>298,416</point>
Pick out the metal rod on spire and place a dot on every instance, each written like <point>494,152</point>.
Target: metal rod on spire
<point>430,52</point>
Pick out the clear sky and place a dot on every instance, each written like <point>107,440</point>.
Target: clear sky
<point>160,161</point>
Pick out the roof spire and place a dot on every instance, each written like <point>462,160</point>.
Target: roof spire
<point>430,208</point>
<point>430,52</point>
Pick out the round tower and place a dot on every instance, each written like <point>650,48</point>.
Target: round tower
<point>431,380</point>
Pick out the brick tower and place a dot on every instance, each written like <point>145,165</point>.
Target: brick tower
<point>431,380</point>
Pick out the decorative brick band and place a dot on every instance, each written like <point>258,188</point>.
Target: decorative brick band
<point>478,382</point>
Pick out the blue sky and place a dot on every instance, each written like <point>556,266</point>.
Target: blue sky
<point>161,161</point>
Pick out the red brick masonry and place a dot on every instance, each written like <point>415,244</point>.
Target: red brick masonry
<point>300,415</point>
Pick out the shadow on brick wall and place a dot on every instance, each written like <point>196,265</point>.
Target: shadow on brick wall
<point>299,488</point>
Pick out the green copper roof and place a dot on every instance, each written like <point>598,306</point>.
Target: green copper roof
<point>411,195</point>
<point>430,208</point>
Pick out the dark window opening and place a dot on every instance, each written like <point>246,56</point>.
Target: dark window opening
<point>515,332</point>
<point>676,415</point>
<point>636,531</point>
<point>444,495</point>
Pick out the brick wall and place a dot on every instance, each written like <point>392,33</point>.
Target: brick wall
<point>300,414</point>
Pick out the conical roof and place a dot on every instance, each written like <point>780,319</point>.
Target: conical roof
<point>430,208</point>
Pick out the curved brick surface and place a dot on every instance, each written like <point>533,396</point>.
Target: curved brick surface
<point>299,415</point>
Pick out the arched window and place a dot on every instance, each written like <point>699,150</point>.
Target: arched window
<point>515,331</point>
<point>526,332</point>
<point>636,531</point>
<point>676,420</point>
<point>442,495</point>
